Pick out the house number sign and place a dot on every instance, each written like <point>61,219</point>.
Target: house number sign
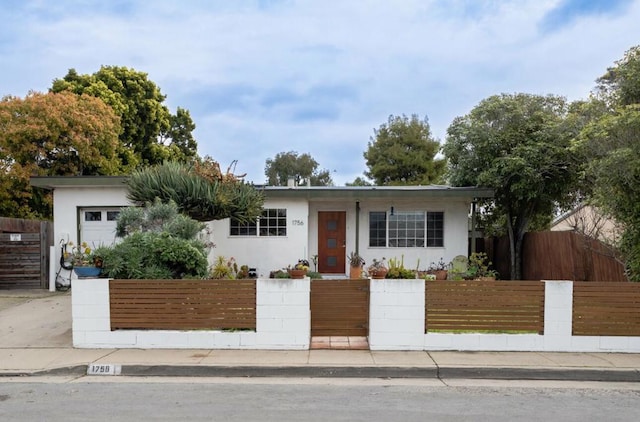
<point>297,223</point>
<point>104,369</point>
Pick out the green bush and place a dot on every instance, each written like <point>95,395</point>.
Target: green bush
<point>158,243</point>
<point>152,255</point>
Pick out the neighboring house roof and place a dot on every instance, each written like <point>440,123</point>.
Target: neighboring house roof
<point>308,192</point>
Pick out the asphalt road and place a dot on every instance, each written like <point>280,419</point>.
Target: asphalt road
<point>288,400</point>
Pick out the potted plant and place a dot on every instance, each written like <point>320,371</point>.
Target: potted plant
<point>300,269</point>
<point>439,269</point>
<point>85,263</point>
<point>377,269</point>
<point>356,262</point>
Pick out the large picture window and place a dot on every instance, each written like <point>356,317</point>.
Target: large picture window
<point>272,222</point>
<point>406,229</point>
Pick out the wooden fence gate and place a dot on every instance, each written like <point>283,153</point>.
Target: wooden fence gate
<point>24,253</point>
<point>340,307</point>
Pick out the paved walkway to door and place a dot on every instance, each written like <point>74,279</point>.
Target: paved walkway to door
<point>340,342</point>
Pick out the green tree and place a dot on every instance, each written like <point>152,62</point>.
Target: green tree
<point>179,137</point>
<point>52,135</point>
<point>402,152</point>
<point>359,181</point>
<point>301,167</point>
<point>140,105</point>
<point>611,145</point>
<point>620,85</point>
<point>519,145</point>
<point>200,190</point>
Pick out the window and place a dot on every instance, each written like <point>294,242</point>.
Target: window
<point>406,229</point>
<point>93,216</point>
<point>112,215</point>
<point>435,229</point>
<point>377,228</point>
<point>272,222</point>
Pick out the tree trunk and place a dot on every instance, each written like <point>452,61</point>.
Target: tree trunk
<point>512,248</point>
<point>516,237</point>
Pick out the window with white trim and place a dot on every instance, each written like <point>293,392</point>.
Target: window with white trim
<point>406,229</point>
<point>272,222</point>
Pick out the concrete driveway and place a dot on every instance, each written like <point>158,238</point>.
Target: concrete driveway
<point>35,318</point>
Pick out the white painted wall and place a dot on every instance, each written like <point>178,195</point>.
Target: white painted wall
<point>266,253</point>
<point>67,201</point>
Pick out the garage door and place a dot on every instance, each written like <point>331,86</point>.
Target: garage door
<point>98,226</point>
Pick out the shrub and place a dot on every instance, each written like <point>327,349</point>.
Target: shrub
<point>159,243</point>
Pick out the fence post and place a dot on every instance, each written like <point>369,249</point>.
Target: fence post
<point>558,314</point>
<point>397,314</point>
<point>283,316</point>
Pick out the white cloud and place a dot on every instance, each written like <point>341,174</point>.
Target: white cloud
<point>262,77</point>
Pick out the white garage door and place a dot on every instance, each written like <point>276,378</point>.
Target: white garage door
<point>98,226</point>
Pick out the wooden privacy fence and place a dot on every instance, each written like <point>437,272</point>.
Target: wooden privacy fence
<point>606,309</point>
<point>182,304</point>
<point>556,255</point>
<point>484,306</point>
<point>24,253</point>
<point>340,307</point>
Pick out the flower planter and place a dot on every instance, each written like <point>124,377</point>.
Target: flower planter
<point>355,272</point>
<point>441,274</point>
<point>87,271</point>
<point>297,273</point>
<point>379,273</point>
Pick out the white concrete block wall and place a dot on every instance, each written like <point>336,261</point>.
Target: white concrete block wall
<point>558,314</point>
<point>396,314</point>
<point>283,313</point>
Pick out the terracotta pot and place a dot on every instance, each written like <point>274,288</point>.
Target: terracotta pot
<point>297,273</point>
<point>379,273</point>
<point>355,272</point>
<point>441,274</point>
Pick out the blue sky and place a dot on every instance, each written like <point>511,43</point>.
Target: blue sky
<point>266,76</point>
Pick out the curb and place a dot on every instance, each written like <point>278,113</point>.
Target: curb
<point>538,374</point>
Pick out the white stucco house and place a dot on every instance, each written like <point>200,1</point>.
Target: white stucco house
<point>420,224</point>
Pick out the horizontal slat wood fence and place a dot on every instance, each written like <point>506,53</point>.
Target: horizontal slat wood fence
<point>340,307</point>
<point>606,309</point>
<point>182,304</point>
<point>484,306</point>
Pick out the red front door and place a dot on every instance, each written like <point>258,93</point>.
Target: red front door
<point>332,228</point>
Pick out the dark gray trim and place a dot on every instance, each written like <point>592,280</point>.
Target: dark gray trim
<point>52,182</point>
<point>303,192</point>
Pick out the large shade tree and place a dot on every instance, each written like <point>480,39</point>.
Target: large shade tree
<point>301,167</point>
<point>149,130</point>
<point>52,135</point>
<point>519,145</point>
<point>611,145</point>
<point>403,152</point>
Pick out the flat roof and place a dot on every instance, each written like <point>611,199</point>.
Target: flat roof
<point>306,192</point>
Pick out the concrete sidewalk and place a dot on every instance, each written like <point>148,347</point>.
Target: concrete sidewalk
<point>35,339</point>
